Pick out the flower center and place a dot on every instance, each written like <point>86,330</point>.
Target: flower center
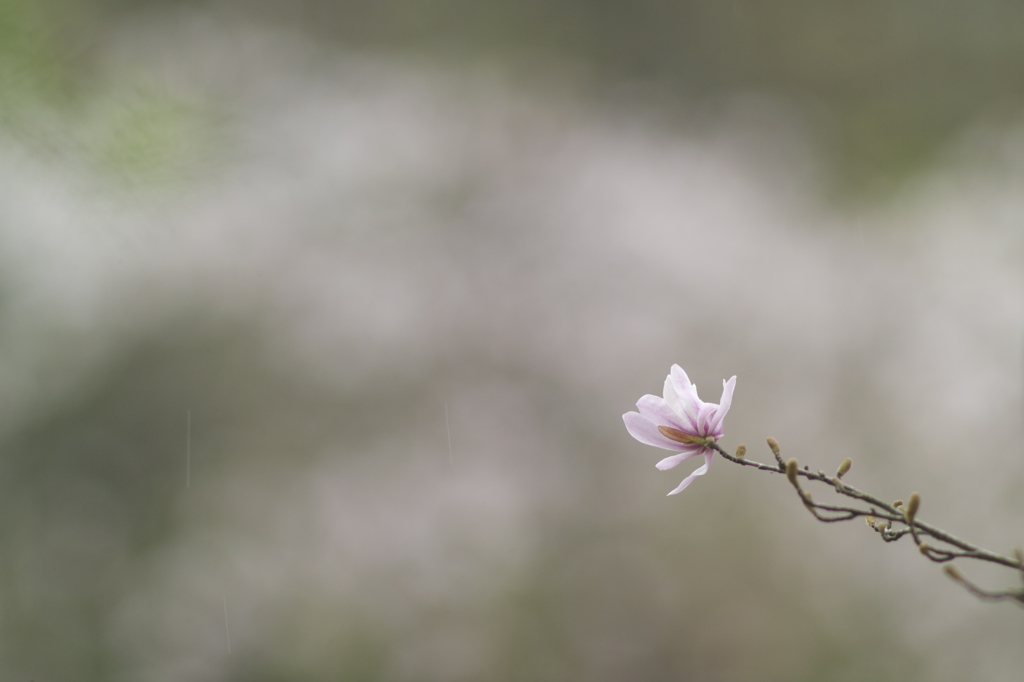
<point>683,437</point>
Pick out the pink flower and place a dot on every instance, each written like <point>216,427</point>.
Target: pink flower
<point>680,421</point>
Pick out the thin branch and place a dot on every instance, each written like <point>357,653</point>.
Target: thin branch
<point>881,515</point>
<point>1016,595</point>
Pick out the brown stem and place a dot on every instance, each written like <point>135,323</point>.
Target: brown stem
<point>889,513</point>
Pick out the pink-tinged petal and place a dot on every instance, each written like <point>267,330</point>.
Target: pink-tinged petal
<point>704,416</point>
<point>646,431</point>
<point>683,395</point>
<point>724,405</point>
<point>684,387</point>
<point>699,472</point>
<point>659,412</point>
<point>680,380</point>
<point>674,460</point>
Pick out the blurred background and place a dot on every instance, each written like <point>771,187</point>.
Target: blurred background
<point>318,320</point>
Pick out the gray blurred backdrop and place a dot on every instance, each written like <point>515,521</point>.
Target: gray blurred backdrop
<point>318,319</point>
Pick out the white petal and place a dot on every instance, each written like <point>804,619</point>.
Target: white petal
<point>699,472</point>
<point>658,411</point>
<point>674,460</point>
<point>724,405</point>
<point>687,403</point>
<point>646,431</point>
<point>679,374</point>
<point>671,397</point>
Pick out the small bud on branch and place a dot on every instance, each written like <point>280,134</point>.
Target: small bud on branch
<point>791,468</point>
<point>912,506</point>
<point>773,445</point>
<point>953,572</point>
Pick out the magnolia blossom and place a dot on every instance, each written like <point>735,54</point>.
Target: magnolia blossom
<point>680,421</point>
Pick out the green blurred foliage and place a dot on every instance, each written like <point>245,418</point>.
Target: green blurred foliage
<point>146,135</point>
<point>58,101</point>
<point>884,85</point>
<point>33,72</point>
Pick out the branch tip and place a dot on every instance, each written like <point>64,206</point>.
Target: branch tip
<point>912,506</point>
<point>774,446</point>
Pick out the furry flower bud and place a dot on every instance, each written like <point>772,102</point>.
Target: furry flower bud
<point>912,506</point>
<point>791,469</point>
